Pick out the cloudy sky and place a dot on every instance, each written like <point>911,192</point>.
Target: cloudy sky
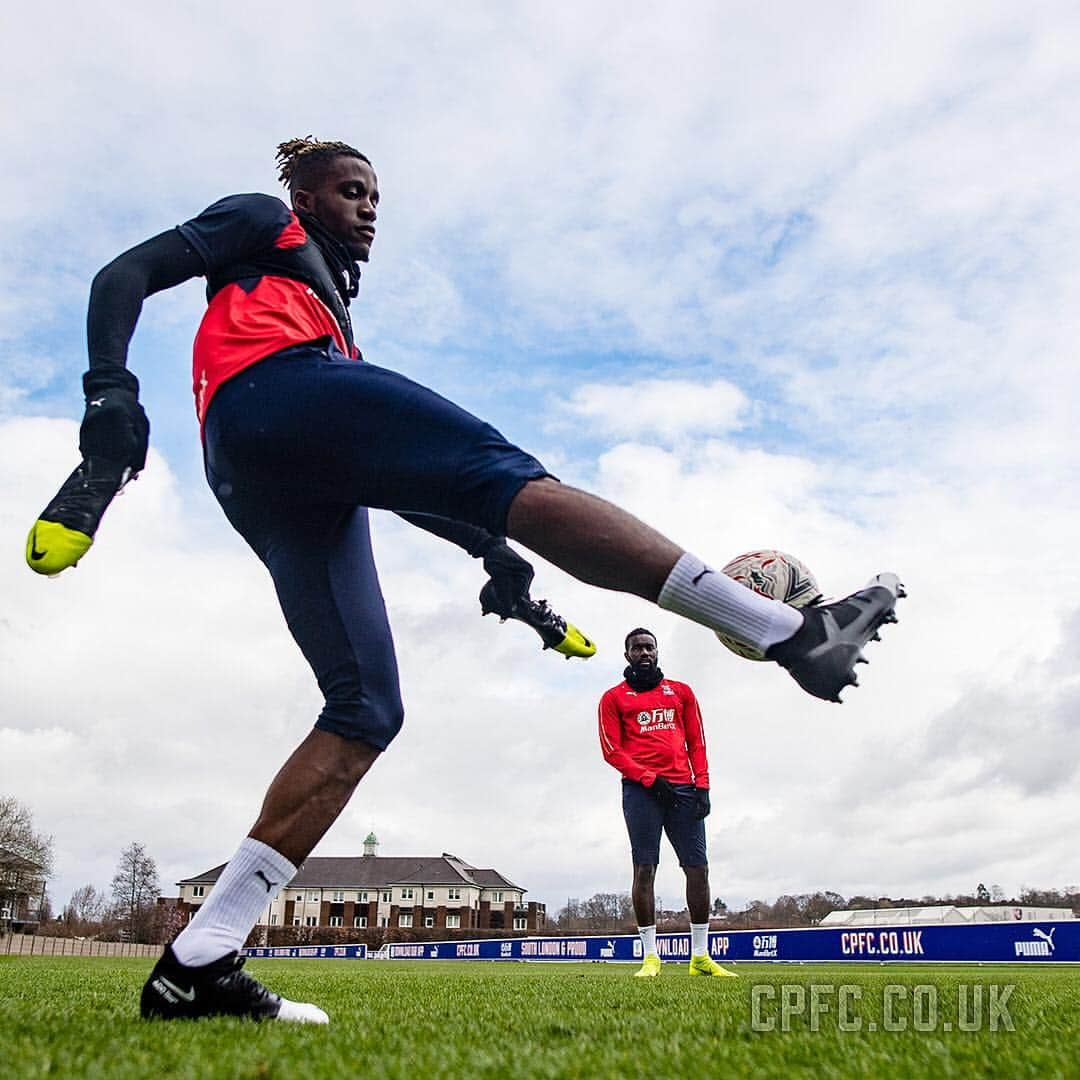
<point>762,280</point>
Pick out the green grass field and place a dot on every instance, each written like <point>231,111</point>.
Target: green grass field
<point>74,1017</point>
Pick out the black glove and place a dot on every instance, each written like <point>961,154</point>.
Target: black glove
<point>114,426</point>
<point>664,792</point>
<point>702,807</point>
<point>511,577</point>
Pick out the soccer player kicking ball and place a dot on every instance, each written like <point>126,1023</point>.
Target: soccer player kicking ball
<point>301,437</point>
<point>651,731</point>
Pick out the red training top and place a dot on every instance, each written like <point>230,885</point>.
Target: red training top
<point>650,733</point>
<point>269,306</point>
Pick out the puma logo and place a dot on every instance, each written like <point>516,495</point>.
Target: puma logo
<point>1048,938</point>
<point>269,884</point>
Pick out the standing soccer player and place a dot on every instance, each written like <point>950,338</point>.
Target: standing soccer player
<point>300,438</point>
<point>651,731</point>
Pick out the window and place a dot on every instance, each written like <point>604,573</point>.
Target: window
<point>360,922</point>
<point>335,920</point>
<point>453,922</point>
<point>384,920</point>
<point>429,921</point>
<point>453,894</point>
<point>431,894</point>
<point>405,920</point>
<point>337,897</point>
<point>406,894</point>
<point>298,897</point>
<point>496,897</point>
<point>296,920</point>
<point>273,920</point>
<point>386,896</point>
<point>520,923</point>
<point>361,897</point>
<point>198,890</point>
<point>313,896</point>
<point>311,920</point>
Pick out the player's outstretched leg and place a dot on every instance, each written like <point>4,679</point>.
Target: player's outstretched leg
<point>605,546</point>
<point>177,992</point>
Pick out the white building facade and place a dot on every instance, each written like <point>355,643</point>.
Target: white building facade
<point>361,892</point>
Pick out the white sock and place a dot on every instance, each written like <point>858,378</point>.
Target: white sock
<point>250,881</point>
<point>721,603</point>
<point>648,939</point>
<point>699,939</point>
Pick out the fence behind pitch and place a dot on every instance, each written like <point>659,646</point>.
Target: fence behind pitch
<point>973,943</point>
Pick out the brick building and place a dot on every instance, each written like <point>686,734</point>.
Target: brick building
<point>356,892</point>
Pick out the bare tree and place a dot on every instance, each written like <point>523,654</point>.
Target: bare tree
<point>785,912</point>
<point>87,904</point>
<point>135,890</point>
<point>26,860</point>
<point>817,905</point>
<point>601,910</point>
<point>568,917</point>
<point>166,921</point>
<point>607,911</point>
<point>85,911</point>
<point>17,835</point>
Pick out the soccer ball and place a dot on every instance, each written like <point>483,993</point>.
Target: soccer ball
<point>774,574</point>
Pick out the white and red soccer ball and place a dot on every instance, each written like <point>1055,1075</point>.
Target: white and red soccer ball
<point>774,574</point>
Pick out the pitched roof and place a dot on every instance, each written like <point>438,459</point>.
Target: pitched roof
<point>492,879</point>
<point>379,871</point>
<point>18,862</point>
<point>206,877</point>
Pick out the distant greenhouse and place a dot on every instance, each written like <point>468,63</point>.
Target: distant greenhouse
<point>945,914</point>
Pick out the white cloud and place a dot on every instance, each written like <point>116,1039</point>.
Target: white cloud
<point>664,409</point>
<point>852,247</point>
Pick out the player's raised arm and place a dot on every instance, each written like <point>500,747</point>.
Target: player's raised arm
<point>611,744</point>
<point>115,431</point>
<point>506,592</point>
<point>119,289</point>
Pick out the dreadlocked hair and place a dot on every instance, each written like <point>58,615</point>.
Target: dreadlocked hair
<point>303,161</point>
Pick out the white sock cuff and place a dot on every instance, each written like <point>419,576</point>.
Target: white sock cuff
<point>699,939</point>
<point>687,568</point>
<point>696,591</point>
<point>252,878</point>
<point>648,938</point>
<point>257,853</point>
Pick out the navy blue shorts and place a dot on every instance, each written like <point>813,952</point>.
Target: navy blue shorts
<point>297,447</point>
<point>646,819</point>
